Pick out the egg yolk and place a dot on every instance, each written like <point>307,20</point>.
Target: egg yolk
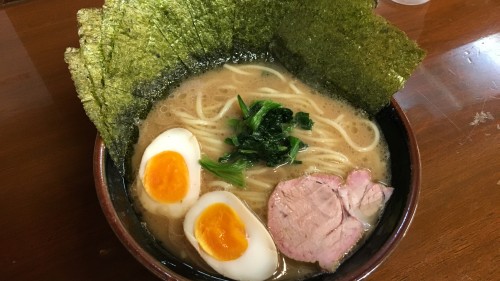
<point>166,177</point>
<point>221,233</point>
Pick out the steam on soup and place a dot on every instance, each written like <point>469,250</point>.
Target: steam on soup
<point>342,140</point>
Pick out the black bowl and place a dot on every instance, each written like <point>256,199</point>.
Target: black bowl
<point>405,164</point>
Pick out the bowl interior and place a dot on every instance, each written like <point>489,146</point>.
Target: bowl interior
<point>405,164</point>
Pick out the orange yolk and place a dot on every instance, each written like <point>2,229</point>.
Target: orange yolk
<point>166,177</point>
<point>221,233</point>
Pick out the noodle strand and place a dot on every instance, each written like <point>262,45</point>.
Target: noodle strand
<point>266,69</point>
<point>348,139</point>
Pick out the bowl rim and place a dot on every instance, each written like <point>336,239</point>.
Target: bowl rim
<point>158,269</point>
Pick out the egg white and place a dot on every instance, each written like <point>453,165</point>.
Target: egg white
<point>184,142</point>
<point>258,262</point>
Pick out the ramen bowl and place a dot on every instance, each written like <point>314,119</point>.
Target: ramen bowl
<point>118,209</point>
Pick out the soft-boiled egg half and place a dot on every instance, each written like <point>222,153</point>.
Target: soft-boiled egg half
<point>169,173</point>
<point>230,238</point>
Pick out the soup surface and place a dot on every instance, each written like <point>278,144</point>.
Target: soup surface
<point>342,139</point>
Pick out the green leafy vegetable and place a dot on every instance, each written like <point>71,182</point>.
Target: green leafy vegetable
<point>258,111</point>
<point>244,108</point>
<point>295,146</point>
<point>303,120</point>
<point>231,172</point>
<point>262,135</point>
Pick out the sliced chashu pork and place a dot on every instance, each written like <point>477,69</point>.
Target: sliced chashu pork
<point>319,218</point>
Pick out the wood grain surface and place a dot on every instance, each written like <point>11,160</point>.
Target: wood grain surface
<point>51,225</point>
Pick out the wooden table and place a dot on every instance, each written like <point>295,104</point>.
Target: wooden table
<point>51,224</point>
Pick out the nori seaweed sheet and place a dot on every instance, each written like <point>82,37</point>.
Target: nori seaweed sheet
<point>346,49</point>
<point>134,52</point>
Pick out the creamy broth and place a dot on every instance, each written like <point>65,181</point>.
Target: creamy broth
<point>342,139</point>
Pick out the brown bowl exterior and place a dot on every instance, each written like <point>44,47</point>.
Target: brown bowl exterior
<point>405,164</point>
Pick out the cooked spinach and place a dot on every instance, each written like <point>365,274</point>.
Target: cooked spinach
<point>261,135</point>
<point>230,172</point>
